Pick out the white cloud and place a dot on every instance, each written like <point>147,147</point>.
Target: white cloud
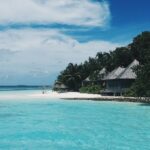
<point>70,12</point>
<point>32,54</point>
<point>6,54</point>
<point>44,52</point>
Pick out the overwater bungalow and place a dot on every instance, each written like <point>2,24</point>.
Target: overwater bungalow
<point>119,80</point>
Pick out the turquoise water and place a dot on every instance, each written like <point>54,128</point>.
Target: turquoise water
<point>74,125</point>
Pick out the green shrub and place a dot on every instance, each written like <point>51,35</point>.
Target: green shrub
<point>92,89</point>
<point>130,92</point>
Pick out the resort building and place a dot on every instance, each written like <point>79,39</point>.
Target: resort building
<point>97,79</point>
<point>87,81</point>
<point>119,80</point>
<point>102,73</point>
<point>58,86</point>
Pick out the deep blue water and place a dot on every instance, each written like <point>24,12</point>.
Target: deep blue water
<point>74,125</point>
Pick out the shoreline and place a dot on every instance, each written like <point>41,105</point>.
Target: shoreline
<point>113,99</point>
<point>51,95</point>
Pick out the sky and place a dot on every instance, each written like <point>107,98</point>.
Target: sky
<point>38,38</point>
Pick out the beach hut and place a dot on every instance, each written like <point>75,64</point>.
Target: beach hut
<point>95,78</point>
<point>119,80</point>
<point>58,86</point>
<point>102,73</point>
<point>87,81</point>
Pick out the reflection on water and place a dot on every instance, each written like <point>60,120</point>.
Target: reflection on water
<point>144,104</point>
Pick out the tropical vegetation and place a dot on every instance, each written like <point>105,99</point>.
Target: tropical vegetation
<point>139,49</point>
<point>93,89</point>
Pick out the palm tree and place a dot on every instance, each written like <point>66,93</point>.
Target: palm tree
<point>72,77</point>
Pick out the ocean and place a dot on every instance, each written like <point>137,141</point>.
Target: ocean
<point>73,125</point>
<point>23,88</point>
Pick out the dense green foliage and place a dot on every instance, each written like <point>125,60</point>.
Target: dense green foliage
<point>71,77</point>
<point>139,49</point>
<point>94,89</point>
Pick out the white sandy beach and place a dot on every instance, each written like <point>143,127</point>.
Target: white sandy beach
<point>66,95</point>
<point>47,95</point>
<point>52,95</point>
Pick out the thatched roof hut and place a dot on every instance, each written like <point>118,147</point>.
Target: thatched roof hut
<point>128,73</point>
<point>87,79</point>
<point>120,79</point>
<point>58,86</point>
<point>95,78</point>
<point>102,71</point>
<point>114,74</point>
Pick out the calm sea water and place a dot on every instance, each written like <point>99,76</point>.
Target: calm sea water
<point>74,125</point>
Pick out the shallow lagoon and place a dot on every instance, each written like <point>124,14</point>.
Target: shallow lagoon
<point>74,125</point>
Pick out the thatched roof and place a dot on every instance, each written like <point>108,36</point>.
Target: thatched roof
<point>128,73</point>
<point>123,73</point>
<point>114,74</point>
<point>59,85</point>
<point>102,71</point>
<point>87,79</point>
<point>62,86</point>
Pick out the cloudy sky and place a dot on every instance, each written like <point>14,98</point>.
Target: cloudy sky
<point>38,38</point>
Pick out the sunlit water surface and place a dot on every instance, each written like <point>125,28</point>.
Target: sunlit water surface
<point>73,125</point>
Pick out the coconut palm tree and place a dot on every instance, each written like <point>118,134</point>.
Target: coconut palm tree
<point>72,77</point>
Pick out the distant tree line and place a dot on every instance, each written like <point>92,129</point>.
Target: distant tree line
<point>139,49</point>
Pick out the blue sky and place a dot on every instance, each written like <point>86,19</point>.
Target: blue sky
<point>38,39</point>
